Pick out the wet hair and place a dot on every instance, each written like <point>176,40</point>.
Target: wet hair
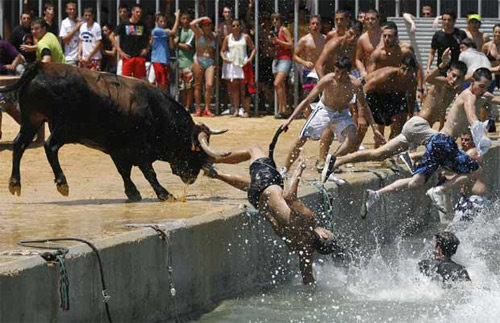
<point>409,61</point>
<point>47,6</point>
<point>343,63</point>
<point>346,13</point>
<point>482,72</point>
<point>450,13</point>
<point>41,22</point>
<point>324,246</point>
<point>161,15</point>
<point>469,43</point>
<point>391,26</point>
<point>71,3</point>
<point>460,66</point>
<point>448,242</point>
<point>496,26</point>
<point>135,6</point>
<point>186,13</point>
<point>356,25</point>
<point>123,6</point>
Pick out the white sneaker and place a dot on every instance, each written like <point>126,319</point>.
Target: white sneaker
<point>328,168</point>
<point>361,147</point>
<point>370,197</point>
<point>241,112</point>
<point>337,180</point>
<point>437,198</point>
<point>283,171</point>
<point>226,112</point>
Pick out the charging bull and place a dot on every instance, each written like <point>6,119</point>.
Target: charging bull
<point>132,121</point>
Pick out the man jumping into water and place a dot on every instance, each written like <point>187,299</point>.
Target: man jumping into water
<point>294,222</point>
<point>442,150</point>
<point>418,128</point>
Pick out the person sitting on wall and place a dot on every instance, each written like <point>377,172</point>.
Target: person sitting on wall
<point>291,219</point>
<point>442,268</point>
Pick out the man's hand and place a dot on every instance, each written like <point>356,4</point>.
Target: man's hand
<point>28,48</point>
<point>285,124</point>
<point>144,52</point>
<point>488,96</point>
<point>10,67</point>
<point>123,55</point>
<point>362,123</point>
<point>79,23</point>
<point>86,59</point>
<point>446,57</point>
<point>378,137</point>
<point>324,233</point>
<point>413,28</point>
<point>309,65</point>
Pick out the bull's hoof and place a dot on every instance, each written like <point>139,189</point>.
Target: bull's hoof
<point>133,196</point>
<point>63,189</point>
<point>165,196</point>
<point>15,187</point>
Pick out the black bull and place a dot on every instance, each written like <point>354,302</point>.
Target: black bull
<point>133,122</point>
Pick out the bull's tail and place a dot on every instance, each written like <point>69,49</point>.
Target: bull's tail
<point>275,140</point>
<point>29,74</point>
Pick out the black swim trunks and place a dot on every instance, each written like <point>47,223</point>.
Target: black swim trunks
<point>385,106</point>
<point>445,270</point>
<point>263,174</point>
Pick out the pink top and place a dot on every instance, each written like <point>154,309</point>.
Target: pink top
<point>281,52</point>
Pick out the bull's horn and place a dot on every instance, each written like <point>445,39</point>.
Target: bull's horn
<point>217,131</point>
<point>202,138</point>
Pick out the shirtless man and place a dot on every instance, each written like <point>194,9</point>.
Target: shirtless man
<point>442,150</point>
<point>390,93</point>
<point>439,97</point>
<point>294,222</point>
<point>342,18</point>
<point>337,90</point>
<point>473,24</point>
<point>368,41</point>
<point>307,52</point>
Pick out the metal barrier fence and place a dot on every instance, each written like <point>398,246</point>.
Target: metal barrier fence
<point>326,8</point>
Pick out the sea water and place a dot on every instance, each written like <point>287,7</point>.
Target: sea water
<point>386,286</point>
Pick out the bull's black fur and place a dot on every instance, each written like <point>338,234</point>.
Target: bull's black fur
<point>126,118</point>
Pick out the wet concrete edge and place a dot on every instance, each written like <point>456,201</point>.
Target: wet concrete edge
<point>215,256</point>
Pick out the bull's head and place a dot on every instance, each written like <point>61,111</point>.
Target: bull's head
<point>200,153</point>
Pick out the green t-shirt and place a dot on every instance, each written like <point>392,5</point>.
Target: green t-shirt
<point>49,41</point>
<point>186,57</point>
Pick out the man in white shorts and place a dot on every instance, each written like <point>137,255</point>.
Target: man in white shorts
<point>337,90</point>
<point>419,128</point>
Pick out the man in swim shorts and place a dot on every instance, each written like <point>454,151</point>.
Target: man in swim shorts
<point>332,111</point>
<point>442,268</point>
<point>419,128</point>
<point>442,150</point>
<point>291,219</point>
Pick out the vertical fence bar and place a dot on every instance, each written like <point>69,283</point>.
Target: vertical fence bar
<point>59,12</point>
<point>356,8</point>
<point>498,9</point>
<point>1,17</point>
<point>157,7</point>
<point>80,8</point>
<point>417,9</point>
<point>20,10</point>
<point>256,24</point>
<point>377,4</point>
<point>459,8</point>
<point>316,7</point>
<point>176,91</point>
<point>398,8</point>
<point>196,9</point>
<point>236,9</point>
<point>336,6</point>
<point>295,40</point>
<point>438,9</point>
<point>117,11</point>
<point>98,4</point>
<point>217,59</point>
<point>276,9</point>
<point>479,7</point>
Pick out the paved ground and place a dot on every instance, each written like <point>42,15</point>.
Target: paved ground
<point>97,206</point>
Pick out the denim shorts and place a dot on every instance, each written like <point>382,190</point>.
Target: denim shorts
<point>282,66</point>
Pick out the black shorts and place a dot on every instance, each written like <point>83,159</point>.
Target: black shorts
<point>385,106</point>
<point>263,173</point>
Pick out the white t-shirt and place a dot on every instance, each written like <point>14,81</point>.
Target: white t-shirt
<point>71,48</point>
<point>474,60</point>
<point>89,37</point>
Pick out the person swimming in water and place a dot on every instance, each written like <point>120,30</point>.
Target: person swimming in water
<point>442,267</point>
<point>291,219</point>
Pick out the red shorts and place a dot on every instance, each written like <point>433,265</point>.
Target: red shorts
<point>162,72</point>
<point>134,66</point>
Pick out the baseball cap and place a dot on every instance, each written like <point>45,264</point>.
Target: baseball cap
<point>474,16</point>
<point>206,21</point>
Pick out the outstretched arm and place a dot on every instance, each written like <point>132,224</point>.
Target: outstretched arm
<point>293,185</point>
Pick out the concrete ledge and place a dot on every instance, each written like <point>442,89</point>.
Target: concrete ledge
<point>215,256</point>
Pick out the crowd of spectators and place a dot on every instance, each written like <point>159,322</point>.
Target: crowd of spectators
<point>141,46</point>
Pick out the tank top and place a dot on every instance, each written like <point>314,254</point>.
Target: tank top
<point>281,52</point>
<point>237,50</point>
